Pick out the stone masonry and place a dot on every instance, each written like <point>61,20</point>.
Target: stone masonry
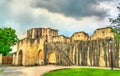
<point>44,46</point>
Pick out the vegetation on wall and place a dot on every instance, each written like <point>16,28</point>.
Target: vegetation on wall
<point>116,25</point>
<point>8,38</point>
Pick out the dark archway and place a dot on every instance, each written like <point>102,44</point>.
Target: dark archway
<point>20,57</point>
<point>40,57</point>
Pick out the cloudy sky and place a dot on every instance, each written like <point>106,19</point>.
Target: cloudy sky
<point>68,16</point>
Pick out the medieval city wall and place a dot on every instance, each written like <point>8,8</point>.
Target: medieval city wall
<point>81,49</point>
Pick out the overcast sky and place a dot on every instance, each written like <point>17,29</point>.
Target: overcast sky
<point>68,16</point>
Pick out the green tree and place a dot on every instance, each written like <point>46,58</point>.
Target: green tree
<point>116,25</point>
<point>8,38</point>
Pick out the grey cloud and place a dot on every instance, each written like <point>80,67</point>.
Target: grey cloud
<point>23,18</point>
<point>20,18</point>
<point>72,8</point>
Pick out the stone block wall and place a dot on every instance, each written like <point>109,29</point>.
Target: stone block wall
<point>0,59</point>
<point>14,59</point>
<point>61,39</point>
<point>7,59</point>
<point>28,51</point>
<point>48,33</point>
<point>79,36</point>
<point>84,53</point>
<point>81,50</point>
<point>61,51</point>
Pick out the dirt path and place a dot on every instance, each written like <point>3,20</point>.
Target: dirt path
<point>38,71</point>
<point>27,71</point>
<point>33,71</point>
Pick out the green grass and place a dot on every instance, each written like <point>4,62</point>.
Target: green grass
<point>1,70</point>
<point>83,72</point>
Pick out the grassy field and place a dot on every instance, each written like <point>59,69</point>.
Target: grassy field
<point>83,72</point>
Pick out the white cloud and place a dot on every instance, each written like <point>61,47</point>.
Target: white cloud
<point>20,15</point>
<point>111,7</point>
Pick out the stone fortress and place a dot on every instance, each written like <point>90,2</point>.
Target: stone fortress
<point>43,46</point>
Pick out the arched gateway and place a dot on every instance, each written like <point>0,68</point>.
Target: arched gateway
<point>51,58</point>
<point>40,57</point>
<point>20,57</point>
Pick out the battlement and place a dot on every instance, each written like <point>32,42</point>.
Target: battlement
<point>79,36</point>
<point>102,33</point>
<point>61,38</point>
<point>41,32</point>
<point>52,35</point>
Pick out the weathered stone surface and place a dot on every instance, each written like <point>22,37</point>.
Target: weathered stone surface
<point>14,59</point>
<point>44,46</point>
<point>0,59</point>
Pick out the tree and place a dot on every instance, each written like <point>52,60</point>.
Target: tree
<point>8,38</point>
<point>116,31</point>
<point>116,25</point>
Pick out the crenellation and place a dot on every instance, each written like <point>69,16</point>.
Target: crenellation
<point>102,33</point>
<point>79,36</point>
<point>43,46</point>
<point>61,38</point>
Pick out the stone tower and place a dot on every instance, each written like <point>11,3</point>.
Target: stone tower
<point>44,46</point>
